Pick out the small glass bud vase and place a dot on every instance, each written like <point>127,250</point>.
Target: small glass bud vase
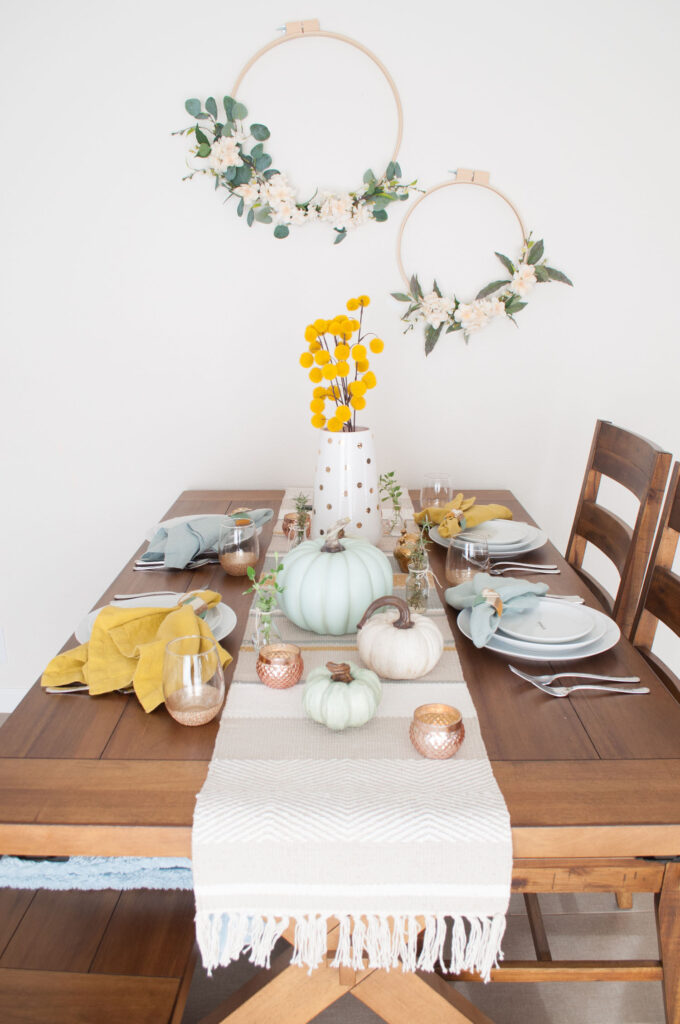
<point>417,588</point>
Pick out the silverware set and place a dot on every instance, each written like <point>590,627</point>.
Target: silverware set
<point>545,683</point>
<point>209,558</point>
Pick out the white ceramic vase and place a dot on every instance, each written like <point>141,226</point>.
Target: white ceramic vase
<point>346,484</point>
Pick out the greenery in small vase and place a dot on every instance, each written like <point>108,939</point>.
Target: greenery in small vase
<point>302,518</point>
<point>390,490</point>
<point>419,559</point>
<point>265,589</point>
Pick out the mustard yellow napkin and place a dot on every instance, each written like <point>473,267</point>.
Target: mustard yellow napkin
<point>127,646</point>
<point>461,514</point>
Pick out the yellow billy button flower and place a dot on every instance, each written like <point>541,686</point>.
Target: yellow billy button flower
<point>343,368</point>
<point>343,413</point>
<point>311,333</point>
<point>362,365</point>
<point>321,357</point>
<point>341,352</point>
<point>314,346</point>
<point>357,402</point>
<point>320,326</point>
<point>330,371</point>
<point>357,387</point>
<point>334,424</point>
<point>363,300</point>
<point>319,392</point>
<point>306,360</point>
<point>315,375</point>
<point>358,352</point>
<point>317,405</point>
<point>334,391</point>
<point>369,379</point>
<point>318,420</point>
<point>352,304</point>
<point>376,345</point>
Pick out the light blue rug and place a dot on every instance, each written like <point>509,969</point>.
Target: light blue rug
<point>96,873</point>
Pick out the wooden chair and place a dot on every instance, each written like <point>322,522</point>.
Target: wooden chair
<point>660,598</point>
<point>641,467</point>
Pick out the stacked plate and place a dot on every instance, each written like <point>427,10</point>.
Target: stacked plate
<point>221,619</point>
<point>503,537</point>
<point>553,631</point>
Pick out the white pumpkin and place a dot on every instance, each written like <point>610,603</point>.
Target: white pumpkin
<point>398,644</point>
<point>327,583</point>
<point>341,695</point>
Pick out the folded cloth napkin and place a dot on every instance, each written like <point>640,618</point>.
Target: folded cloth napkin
<point>127,645</point>
<point>490,596</point>
<point>179,543</point>
<point>461,514</point>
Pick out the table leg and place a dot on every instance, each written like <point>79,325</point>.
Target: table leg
<point>668,924</point>
<point>402,998</point>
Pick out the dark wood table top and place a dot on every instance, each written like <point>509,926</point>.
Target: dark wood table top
<point>587,776</point>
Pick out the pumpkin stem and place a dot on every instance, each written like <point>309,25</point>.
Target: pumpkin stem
<point>340,671</point>
<point>332,542</point>
<point>403,622</point>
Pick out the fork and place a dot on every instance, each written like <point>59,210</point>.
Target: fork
<point>547,680</point>
<point>543,571</point>
<point>564,691</point>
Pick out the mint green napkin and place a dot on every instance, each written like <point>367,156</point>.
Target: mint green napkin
<point>516,595</point>
<point>179,543</point>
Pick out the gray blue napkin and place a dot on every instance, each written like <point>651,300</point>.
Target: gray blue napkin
<point>178,544</point>
<point>516,595</point>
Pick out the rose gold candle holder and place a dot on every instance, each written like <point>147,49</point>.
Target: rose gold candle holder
<point>437,730</point>
<point>289,525</point>
<point>280,665</point>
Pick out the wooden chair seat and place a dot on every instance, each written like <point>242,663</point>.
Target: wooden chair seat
<point>660,597</point>
<point>641,467</point>
<point>78,957</point>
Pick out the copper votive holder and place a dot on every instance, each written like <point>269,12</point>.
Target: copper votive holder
<point>280,665</point>
<point>289,525</point>
<point>437,730</point>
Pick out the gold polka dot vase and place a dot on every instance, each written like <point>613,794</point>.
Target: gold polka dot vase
<point>346,484</point>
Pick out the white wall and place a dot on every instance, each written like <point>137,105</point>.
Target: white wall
<point>143,325</point>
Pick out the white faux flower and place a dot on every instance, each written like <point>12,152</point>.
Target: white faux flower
<point>279,191</point>
<point>336,210</point>
<point>283,211</point>
<point>239,133</point>
<point>299,216</point>
<point>360,214</point>
<point>496,307</point>
<point>435,308</point>
<point>224,153</point>
<point>249,193</point>
<point>472,316</point>
<point>523,280</point>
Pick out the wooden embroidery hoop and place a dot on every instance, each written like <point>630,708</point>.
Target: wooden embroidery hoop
<point>464,176</point>
<point>298,29</point>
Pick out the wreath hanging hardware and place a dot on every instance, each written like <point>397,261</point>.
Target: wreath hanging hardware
<point>233,154</point>
<point>503,298</point>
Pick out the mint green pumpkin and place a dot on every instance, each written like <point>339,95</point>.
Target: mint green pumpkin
<point>341,695</point>
<point>328,583</point>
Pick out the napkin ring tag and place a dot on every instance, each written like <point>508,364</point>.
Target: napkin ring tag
<point>493,598</point>
<point>460,517</point>
<point>194,601</point>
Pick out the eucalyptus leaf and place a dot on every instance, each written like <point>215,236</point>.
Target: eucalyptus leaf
<point>508,264</point>
<point>263,214</point>
<point>270,173</point>
<point>239,111</point>
<point>281,231</point>
<point>535,252</point>
<point>259,132</point>
<point>340,236</point>
<point>514,305</point>
<point>369,176</point>
<point>542,274</point>
<point>263,162</point>
<point>557,275</point>
<point>400,297</point>
<point>230,174</point>
<point>241,207</point>
<point>251,217</point>
<point>432,337</point>
<point>200,137</point>
<point>229,107</point>
<point>193,107</point>
<point>211,106</point>
<point>380,215</point>
<point>241,176</point>
<point>203,150</point>
<point>391,170</point>
<point>257,150</point>
<point>397,171</point>
<point>203,117</point>
<point>490,289</point>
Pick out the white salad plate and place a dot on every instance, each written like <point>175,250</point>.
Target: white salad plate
<point>497,533</point>
<point>606,634</point>
<point>534,539</point>
<point>550,622</point>
<point>220,619</point>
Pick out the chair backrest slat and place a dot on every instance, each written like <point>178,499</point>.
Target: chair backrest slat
<point>641,467</point>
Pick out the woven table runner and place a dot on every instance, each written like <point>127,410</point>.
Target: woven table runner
<point>295,821</point>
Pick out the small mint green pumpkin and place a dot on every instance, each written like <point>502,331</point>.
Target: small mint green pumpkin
<point>341,695</point>
<point>328,584</point>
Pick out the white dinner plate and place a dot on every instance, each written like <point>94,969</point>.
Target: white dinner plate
<point>497,533</point>
<point>550,622</point>
<point>535,539</point>
<point>549,652</point>
<point>220,619</point>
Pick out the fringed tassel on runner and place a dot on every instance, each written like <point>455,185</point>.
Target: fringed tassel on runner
<point>385,941</point>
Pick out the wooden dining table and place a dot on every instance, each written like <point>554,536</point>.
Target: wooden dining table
<point>591,782</point>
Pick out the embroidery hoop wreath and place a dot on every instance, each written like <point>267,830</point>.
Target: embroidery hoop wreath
<point>263,194</point>
<point>504,297</point>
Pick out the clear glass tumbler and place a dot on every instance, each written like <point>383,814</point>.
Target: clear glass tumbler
<point>193,681</point>
<point>436,490</point>
<point>464,559</point>
<point>238,547</point>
